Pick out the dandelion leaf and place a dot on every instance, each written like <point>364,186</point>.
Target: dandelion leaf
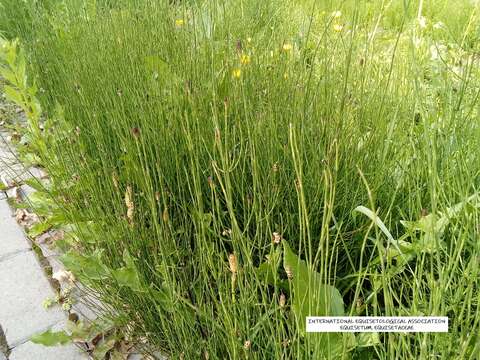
<point>51,338</point>
<point>311,297</point>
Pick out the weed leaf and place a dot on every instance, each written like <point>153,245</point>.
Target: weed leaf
<point>50,338</point>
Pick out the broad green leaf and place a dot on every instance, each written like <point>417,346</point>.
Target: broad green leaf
<point>88,267</point>
<point>128,275</point>
<point>42,203</point>
<point>103,348</point>
<point>433,226</point>
<point>21,71</point>
<point>13,95</point>
<point>157,65</point>
<point>8,74</point>
<point>374,217</point>
<point>36,184</point>
<point>165,297</point>
<point>311,297</point>
<point>367,339</point>
<point>50,338</point>
<point>268,270</point>
<point>39,229</point>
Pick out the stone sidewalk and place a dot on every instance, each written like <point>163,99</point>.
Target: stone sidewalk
<point>23,283</point>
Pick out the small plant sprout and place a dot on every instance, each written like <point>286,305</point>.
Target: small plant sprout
<point>47,303</point>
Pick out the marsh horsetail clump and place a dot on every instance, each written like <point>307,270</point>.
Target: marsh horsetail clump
<point>223,169</point>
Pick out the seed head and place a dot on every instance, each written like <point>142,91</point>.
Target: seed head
<point>298,184</point>
<point>129,203</point>
<point>165,215</point>
<point>239,45</point>
<point>227,232</point>
<point>276,238</point>
<point>289,272</point>
<point>232,261</point>
<point>135,132</point>
<point>115,179</point>
<point>210,181</point>
<point>247,344</point>
<point>282,300</point>
<point>217,135</point>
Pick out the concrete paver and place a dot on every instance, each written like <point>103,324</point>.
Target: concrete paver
<point>24,288</point>
<point>23,283</point>
<point>31,351</point>
<point>12,239</point>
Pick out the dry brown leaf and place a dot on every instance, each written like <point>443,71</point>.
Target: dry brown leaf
<point>26,218</point>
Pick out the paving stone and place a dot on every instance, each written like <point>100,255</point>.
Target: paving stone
<point>31,351</point>
<point>24,288</point>
<point>135,357</point>
<point>87,306</point>
<point>12,239</point>
<point>37,172</point>
<point>26,191</point>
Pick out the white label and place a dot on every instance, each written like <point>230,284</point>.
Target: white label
<point>377,324</point>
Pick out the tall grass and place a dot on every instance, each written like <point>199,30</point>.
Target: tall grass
<point>188,132</point>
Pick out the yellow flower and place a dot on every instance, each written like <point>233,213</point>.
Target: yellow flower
<point>245,59</point>
<point>287,47</point>
<point>337,27</point>
<point>249,39</point>
<point>237,73</point>
<point>179,22</point>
